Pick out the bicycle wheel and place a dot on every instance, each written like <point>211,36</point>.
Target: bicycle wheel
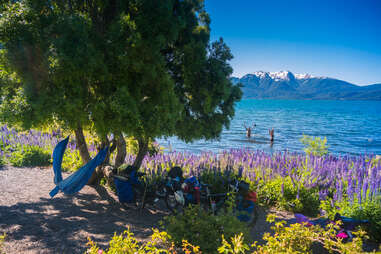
<point>172,204</point>
<point>161,191</point>
<point>140,197</point>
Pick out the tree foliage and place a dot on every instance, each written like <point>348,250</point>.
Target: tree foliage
<point>144,68</point>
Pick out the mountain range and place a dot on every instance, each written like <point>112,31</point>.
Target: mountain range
<point>286,85</point>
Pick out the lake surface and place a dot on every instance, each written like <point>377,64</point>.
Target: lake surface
<point>351,127</point>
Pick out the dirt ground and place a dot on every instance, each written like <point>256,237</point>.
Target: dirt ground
<point>36,223</point>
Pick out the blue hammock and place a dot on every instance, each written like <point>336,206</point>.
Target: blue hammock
<point>78,179</point>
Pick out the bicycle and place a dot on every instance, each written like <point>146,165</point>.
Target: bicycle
<point>174,196</point>
<point>179,194</point>
<point>244,208</point>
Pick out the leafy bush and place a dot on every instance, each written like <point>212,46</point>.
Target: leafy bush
<point>280,192</point>
<point>296,238</point>
<point>369,210</point>
<point>203,229</point>
<point>2,161</point>
<point>127,243</point>
<point>315,145</point>
<point>218,181</point>
<point>72,160</point>
<point>29,156</point>
<point>3,146</point>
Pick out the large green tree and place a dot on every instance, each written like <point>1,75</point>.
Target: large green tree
<point>141,68</point>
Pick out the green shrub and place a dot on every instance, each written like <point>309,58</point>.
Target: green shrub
<point>315,145</point>
<point>203,229</point>
<point>368,210</point>
<point>30,156</point>
<point>127,243</point>
<point>3,147</point>
<point>2,161</point>
<point>270,194</point>
<point>71,161</point>
<point>308,202</point>
<point>218,181</point>
<point>296,238</point>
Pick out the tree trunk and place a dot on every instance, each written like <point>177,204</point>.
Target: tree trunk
<point>82,146</point>
<point>105,143</point>
<point>143,149</point>
<point>121,150</point>
<point>99,172</point>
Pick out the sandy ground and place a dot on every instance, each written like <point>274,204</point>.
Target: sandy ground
<point>36,223</point>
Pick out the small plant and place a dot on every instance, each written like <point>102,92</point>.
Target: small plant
<point>369,210</point>
<point>296,238</point>
<point>127,243</point>
<point>71,160</point>
<point>315,145</point>
<point>2,161</point>
<point>203,229</point>
<point>2,239</point>
<point>280,192</point>
<point>217,181</point>
<point>30,156</point>
<point>237,245</point>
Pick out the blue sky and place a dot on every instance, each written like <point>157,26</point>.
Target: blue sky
<point>334,38</point>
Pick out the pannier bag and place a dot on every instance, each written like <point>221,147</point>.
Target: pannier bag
<point>125,186</point>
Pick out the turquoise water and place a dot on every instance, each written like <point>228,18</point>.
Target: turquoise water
<point>351,127</point>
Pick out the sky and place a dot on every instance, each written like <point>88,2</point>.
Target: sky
<point>334,38</point>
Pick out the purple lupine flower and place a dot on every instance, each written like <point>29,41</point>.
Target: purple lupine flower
<point>364,188</point>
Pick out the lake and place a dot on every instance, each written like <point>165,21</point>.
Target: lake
<point>351,127</point>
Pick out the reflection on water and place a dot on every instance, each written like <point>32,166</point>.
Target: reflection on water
<point>351,127</point>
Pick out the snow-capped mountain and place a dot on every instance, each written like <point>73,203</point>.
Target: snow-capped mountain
<point>286,85</point>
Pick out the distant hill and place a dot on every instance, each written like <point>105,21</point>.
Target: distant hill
<point>286,85</point>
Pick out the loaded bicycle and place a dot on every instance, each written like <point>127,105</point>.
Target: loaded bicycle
<point>180,192</point>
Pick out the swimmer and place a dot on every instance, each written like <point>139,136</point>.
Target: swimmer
<point>248,130</point>
<point>271,133</point>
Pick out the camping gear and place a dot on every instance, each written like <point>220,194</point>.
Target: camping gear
<point>132,188</point>
<point>78,179</point>
<point>191,188</point>
<point>190,191</point>
<point>127,187</point>
<point>179,192</point>
<point>174,196</point>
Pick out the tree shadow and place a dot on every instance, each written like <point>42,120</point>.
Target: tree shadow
<point>62,224</point>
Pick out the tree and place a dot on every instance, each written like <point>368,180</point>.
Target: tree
<point>141,68</point>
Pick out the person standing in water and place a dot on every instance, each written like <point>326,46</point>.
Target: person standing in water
<point>248,130</point>
<point>271,133</point>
